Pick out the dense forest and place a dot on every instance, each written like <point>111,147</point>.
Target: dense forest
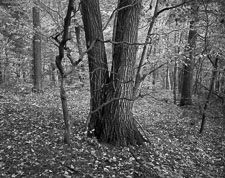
<point>112,88</point>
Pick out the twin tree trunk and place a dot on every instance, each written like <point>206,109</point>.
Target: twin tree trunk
<point>112,93</point>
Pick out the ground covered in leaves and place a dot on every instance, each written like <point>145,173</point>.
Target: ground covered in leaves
<point>31,142</point>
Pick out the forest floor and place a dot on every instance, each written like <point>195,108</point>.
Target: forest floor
<point>31,139</point>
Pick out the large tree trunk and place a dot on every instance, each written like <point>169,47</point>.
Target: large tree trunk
<point>118,126</point>
<point>37,77</point>
<point>114,122</point>
<point>98,69</point>
<point>186,92</point>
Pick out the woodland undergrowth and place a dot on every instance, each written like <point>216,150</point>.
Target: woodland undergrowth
<point>31,142</point>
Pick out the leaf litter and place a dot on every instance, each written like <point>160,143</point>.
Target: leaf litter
<point>31,143</point>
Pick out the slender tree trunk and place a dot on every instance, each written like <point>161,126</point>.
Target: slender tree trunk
<point>212,82</point>
<point>186,92</point>
<point>180,77</point>
<point>154,66</point>
<point>58,61</point>
<point>1,72</point>
<point>197,76</point>
<point>79,46</point>
<point>139,76</point>
<point>177,41</point>
<point>168,83</point>
<point>37,65</point>
<point>1,68</point>
<point>154,78</point>
<point>2,61</point>
<point>175,82</point>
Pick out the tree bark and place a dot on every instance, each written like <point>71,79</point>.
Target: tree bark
<point>119,127</point>
<point>112,96</point>
<point>186,91</point>
<point>98,69</point>
<point>37,65</point>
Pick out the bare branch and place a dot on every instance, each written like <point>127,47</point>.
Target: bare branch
<point>122,42</point>
<point>145,75</point>
<point>75,63</point>
<point>113,13</point>
<point>172,7</point>
<point>49,10</point>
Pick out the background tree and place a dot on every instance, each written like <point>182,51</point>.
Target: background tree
<point>37,64</point>
<point>186,92</point>
<point>15,44</point>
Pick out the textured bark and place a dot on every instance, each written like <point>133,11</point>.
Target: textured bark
<point>98,69</point>
<point>187,79</point>
<point>118,126</point>
<point>113,123</point>
<point>37,65</point>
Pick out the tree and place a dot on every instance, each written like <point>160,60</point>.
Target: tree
<point>146,49</point>
<point>186,91</point>
<point>15,39</point>
<point>37,66</point>
<point>111,117</point>
<point>214,74</point>
<point>58,61</point>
